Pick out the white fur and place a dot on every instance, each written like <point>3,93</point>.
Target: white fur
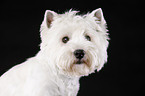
<point>52,71</point>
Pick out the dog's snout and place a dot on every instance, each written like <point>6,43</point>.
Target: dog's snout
<point>79,53</point>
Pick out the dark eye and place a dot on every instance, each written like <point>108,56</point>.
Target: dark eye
<point>88,38</point>
<point>65,39</point>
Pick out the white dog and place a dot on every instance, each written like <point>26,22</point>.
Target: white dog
<point>72,46</point>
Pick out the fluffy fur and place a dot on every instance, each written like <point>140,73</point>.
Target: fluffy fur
<point>53,71</point>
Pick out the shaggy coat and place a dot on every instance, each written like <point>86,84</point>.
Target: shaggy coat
<point>55,71</point>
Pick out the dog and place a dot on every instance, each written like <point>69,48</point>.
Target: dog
<point>72,46</point>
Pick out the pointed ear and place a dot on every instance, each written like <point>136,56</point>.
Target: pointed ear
<point>46,24</point>
<point>48,18</point>
<point>99,15</point>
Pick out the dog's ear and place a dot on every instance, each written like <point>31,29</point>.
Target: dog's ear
<point>98,13</point>
<point>46,24</point>
<point>48,18</point>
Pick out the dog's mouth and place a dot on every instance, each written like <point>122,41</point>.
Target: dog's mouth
<point>78,61</point>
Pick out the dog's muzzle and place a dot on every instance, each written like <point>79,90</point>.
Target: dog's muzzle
<point>79,54</point>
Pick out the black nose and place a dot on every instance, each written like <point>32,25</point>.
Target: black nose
<point>79,54</point>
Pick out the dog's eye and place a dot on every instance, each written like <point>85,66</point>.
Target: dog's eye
<point>88,38</point>
<point>65,39</point>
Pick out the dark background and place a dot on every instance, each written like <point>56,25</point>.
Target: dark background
<point>121,76</point>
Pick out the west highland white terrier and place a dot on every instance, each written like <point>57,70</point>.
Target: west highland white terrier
<point>72,46</point>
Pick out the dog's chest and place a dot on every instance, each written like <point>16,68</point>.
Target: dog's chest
<point>67,87</point>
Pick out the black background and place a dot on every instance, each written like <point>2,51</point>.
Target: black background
<point>121,76</point>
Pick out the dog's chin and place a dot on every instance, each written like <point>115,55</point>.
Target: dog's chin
<point>80,68</point>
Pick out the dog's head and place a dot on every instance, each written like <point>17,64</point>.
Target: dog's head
<point>77,44</point>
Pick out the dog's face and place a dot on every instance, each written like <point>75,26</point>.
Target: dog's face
<point>76,44</point>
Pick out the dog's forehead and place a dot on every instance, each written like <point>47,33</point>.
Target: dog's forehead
<point>72,27</point>
<point>66,19</point>
<point>72,22</point>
